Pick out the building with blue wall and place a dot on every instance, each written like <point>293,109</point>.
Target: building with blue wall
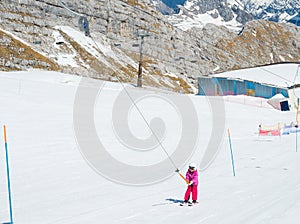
<point>220,86</point>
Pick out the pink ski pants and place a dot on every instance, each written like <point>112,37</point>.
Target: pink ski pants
<point>191,189</point>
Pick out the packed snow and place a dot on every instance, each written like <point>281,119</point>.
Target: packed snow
<point>52,182</point>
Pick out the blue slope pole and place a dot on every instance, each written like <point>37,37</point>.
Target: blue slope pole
<point>232,160</point>
<point>297,124</point>
<point>8,177</point>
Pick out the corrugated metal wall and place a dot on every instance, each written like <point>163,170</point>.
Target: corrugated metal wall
<point>223,86</point>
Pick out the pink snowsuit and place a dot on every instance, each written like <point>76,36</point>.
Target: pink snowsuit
<point>192,176</point>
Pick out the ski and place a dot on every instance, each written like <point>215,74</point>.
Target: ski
<point>186,204</point>
<point>189,203</point>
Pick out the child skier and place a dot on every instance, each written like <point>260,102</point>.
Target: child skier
<point>192,178</point>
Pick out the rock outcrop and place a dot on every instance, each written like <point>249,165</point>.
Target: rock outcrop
<point>35,35</point>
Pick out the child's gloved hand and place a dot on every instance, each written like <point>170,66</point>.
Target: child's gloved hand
<point>191,182</point>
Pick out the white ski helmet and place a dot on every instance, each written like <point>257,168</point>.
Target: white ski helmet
<point>193,165</point>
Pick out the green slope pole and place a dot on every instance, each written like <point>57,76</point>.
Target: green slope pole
<point>232,160</point>
<point>8,177</point>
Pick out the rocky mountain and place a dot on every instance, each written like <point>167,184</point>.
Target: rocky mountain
<point>106,39</point>
<point>232,13</point>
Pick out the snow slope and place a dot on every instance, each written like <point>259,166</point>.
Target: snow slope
<point>53,183</point>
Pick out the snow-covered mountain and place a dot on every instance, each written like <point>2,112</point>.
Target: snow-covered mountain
<point>273,10</point>
<point>231,13</point>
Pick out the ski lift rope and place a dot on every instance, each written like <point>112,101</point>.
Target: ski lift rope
<point>117,72</point>
<point>141,113</point>
<point>131,99</point>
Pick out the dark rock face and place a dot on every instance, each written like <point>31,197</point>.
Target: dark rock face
<point>242,16</point>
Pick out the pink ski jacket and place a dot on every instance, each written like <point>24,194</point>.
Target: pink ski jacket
<point>192,176</point>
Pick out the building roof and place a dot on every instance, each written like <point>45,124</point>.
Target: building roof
<point>280,75</point>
